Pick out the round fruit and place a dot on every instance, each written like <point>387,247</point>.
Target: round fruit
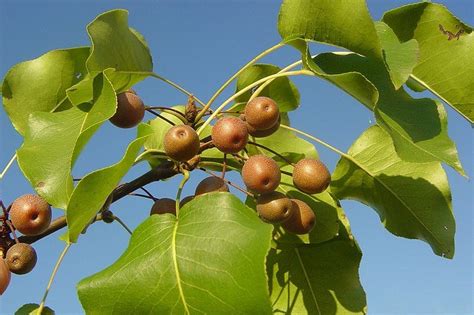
<point>230,134</point>
<point>181,143</point>
<point>163,205</point>
<point>261,113</point>
<point>261,174</point>
<point>185,200</point>
<point>211,184</point>
<point>263,133</point>
<point>5,276</point>
<point>30,214</point>
<point>21,258</point>
<point>130,110</point>
<point>274,207</point>
<point>311,176</point>
<point>302,219</point>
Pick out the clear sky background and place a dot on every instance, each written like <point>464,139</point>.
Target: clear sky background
<point>199,44</point>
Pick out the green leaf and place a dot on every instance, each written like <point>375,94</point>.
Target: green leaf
<point>316,278</point>
<point>417,126</point>
<point>32,309</point>
<point>118,48</point>
<point>54,140</point>
<point>400,59</point>
<point>211,261</point>
<point>351,82</point>
<point>445,66</point>
<point>281,90</point>
<point>344,23</point>
<point>93,190</point>
<point>413,199</point>
<point>39,85</point>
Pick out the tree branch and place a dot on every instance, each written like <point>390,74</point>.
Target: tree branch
<point>166,170</point>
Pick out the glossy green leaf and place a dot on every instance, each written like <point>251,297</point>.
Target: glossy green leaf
<point>320,279</point>
<point>281,90</point>
<point>39,85</point>
<point>417,126</point>
<point>351,82</point>
<point>93,190</point>
<point>400,58</point>
<point>118,48</point>
<point>53,140</point>
<point>327,21</point>
<point>413,199</point>
<point>32,309</point>
<point>211,261</point>
<point>445,66</point>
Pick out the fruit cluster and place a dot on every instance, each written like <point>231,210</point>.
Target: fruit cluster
<point>260,173</point>
<point>29,215</point>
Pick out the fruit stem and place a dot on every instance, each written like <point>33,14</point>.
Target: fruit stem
<point>180,189</point>
<point>171,111</point>
<point>229,81</point>
<point>9,164</point>
<point>272,151</point>
<point>53,274</point>
<point>116,218</point>
<point>142,195</point>
<point>161,117</point>
<point>327,145</point>
<point>12,230</point>
<point>177,86</point>
<point>224,166</point>
<point>249,87</point>
<point>148,193</point>
<point>227,182</point>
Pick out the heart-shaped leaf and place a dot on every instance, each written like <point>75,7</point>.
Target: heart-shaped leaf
<point>54,140</point>
<point>210,260</point>
<point>118,49</point>
<point>413,199</point>
<point>445,64</point>
<point>39,85</point>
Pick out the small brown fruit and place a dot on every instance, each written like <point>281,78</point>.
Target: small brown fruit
<point>21,258</point>
<point>5,276</point>
<point>211,184</point>
<point>163,205</point>
<point>262,113</point>
<point>311,176</point>
<point>130,110</point>
<point>261,174</point>
<point>302,219</point>
<point>30,214</point>
<point>181,143</point>
<point>230,135</point>
<point>274,207</point>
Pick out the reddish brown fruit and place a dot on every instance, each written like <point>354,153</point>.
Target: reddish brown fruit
<point>302,219</point>
<point>211,184</point>
<point>30,214</point>
<point>274,207</point>
<point>261,113</point>
<point>311,176</point>
<point>163,205</point>
<point>181,143</point>
<point>5,276</point>
<point>21,258</point>
<point>261,174</point>
<point>130,110</point>
<point>230,135</point>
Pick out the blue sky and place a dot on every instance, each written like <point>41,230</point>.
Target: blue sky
<point>200,44</point>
